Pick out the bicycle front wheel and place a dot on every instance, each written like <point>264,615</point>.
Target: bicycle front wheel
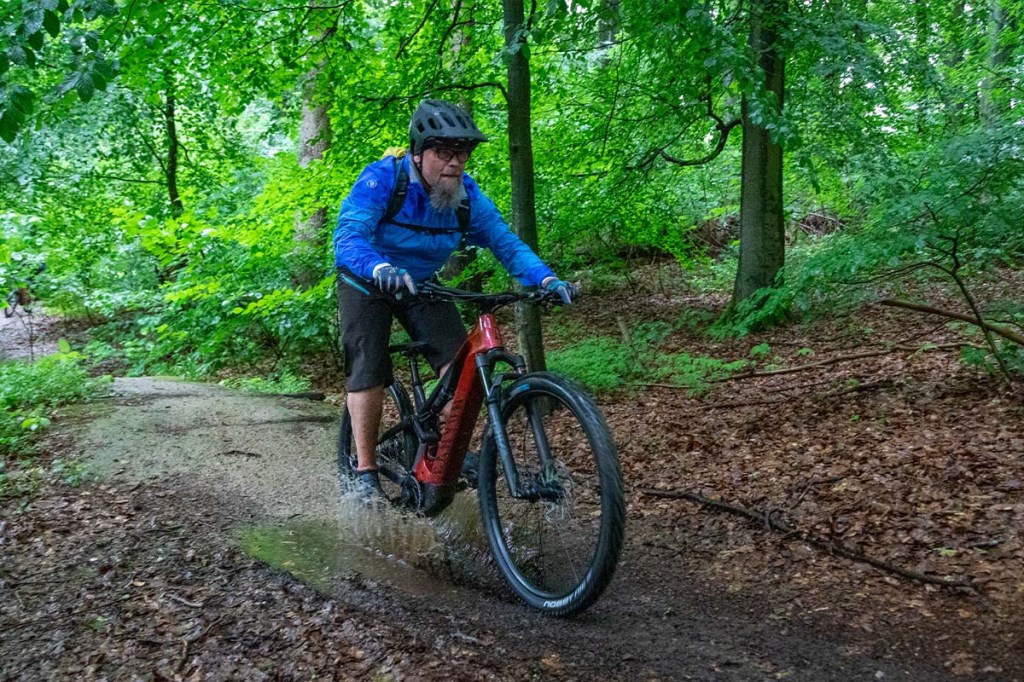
<point>396,443</point>
<point>557,539</point>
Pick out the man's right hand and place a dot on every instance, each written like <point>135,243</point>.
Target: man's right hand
<point>392,280</point>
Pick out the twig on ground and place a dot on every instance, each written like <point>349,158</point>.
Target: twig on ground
<point>811,484</point>
<point>883,383</point>
<point>182,600</point>
<point>844,358</point>
<point>797,387</point>
<point>778,525</point>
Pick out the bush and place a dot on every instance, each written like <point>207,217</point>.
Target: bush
<point>28,391</point>
<point>606,364</point>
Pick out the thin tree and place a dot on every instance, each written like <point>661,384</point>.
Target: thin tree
<point>524,216</point>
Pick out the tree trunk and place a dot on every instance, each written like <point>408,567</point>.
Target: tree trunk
<point>524,216</point>
<point>314,139</point>
<point>171,171</point>
<point>464,256</point>
<point>762,231</point>
<point>996,58</point>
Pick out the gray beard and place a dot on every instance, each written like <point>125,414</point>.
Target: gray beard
<point>445,194</point>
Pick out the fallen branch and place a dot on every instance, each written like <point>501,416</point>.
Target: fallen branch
<point>995,329</point>
<point>823,363</point>
<point>770,522</point>
<point>883,383</point>
<point>844,358</point>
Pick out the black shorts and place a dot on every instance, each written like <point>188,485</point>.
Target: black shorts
<point>366,332</point>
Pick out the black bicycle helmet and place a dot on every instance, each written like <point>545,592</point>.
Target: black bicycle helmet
<point>436,119</point>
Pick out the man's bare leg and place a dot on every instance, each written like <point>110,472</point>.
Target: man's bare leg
<point>365,408</point>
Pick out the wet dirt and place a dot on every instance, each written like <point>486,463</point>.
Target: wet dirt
<point>258,472</point>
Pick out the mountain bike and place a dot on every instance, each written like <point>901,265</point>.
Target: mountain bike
<point>548,481</point>
<point>21,294</point>
<point>14,299</point>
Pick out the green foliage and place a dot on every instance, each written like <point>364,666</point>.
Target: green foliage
<point>280,382</point>
<point>1011,355</point>
<point>28,391</point>
<point>696,374</point>
<point>761,350</point>
<point>600,364</point>
<point>605,364</point>
<point>71,472</point>
<point>28,394</point>
<point>899,126</point>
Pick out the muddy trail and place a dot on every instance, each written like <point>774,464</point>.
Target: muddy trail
<point>214,542</point>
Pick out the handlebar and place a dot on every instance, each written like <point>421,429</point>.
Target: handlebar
<point>488,302</point>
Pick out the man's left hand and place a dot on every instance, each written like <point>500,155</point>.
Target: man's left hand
<point>567,291</point>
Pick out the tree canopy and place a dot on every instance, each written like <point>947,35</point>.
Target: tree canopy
<point>151,150</point>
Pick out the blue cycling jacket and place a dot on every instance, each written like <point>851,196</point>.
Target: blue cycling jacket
<point>361,242</point>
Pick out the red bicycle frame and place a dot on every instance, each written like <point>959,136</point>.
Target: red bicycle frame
<point>441,464</point>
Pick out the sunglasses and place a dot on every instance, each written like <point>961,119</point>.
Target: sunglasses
<point>446,154</point>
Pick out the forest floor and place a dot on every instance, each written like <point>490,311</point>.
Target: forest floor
<point>880,445</point>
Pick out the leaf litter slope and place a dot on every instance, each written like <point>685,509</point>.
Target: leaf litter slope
<point>908,458</point>
<point>132,575</point>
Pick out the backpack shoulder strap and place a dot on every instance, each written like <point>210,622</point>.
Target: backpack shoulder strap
<point>463,214</point>
<point>398,191</point>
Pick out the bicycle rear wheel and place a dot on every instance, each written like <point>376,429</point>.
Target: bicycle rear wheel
<point>396,444</point>
<point>559,544</point>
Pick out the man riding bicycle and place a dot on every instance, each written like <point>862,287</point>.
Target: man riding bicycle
<point>382,252</point>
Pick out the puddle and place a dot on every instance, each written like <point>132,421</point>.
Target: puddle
<point>419,557</point>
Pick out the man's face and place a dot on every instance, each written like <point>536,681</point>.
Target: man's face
<point>437,171</point>
<point>442,170</point>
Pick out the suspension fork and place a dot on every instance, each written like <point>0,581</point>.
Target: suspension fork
<point>494,392</point>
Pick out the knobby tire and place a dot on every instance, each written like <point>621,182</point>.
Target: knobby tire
<point>558,553</point>
<point>395,456</point>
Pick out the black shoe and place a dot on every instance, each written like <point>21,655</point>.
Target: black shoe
<point>470,467</point>
<point>366,484</point>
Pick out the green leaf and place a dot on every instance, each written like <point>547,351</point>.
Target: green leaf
<point>5,63</point>
<point>22,99</point>
<point>63,346</point>
<point>105,69</point>
<point>35,40</point>
<point>33,23</point>
<point>51,22</point>
<point>84,87</point>
<point>92,41</point>
<point>99,81</point>
<point>9,124</point>
<point>68,85</point>
<point>16,54</point>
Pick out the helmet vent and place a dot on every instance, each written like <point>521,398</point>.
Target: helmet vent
<point>433,124</point>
